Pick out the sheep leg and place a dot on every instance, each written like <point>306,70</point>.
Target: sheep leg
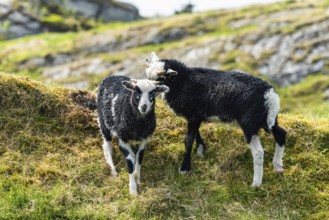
<point>280,138</point>
<point>139,160</point>
<point>108,151</point>
<point>258,159</point>
<point>130,159</point>
<point>192,130</point>
<point>200,146</point>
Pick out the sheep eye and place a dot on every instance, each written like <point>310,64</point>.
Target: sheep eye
<point>137,93</point>
<point>152,95</point>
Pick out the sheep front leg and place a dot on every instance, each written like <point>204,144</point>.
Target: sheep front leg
<point>192,130</point>
<point>130,159</point>
<point>139,160</point>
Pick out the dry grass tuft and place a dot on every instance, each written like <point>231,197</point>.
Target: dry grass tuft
<point>52,165</point>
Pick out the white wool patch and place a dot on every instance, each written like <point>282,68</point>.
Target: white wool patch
<point>113,102</point>
<point>153,68</point>
<point>272,103</point>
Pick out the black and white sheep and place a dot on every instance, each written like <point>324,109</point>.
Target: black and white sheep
<point>201,94</point>
<point>125,110</point>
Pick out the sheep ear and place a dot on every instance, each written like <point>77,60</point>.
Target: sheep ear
<point>160,89</point>
<point>154,57</point>
<point>128,85</point>
<point>171,72</point>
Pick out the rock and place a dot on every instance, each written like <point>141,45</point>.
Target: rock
<point>118,12</point>
<point>18,17</point>
<point>86,8</point>
<point>26,18</point>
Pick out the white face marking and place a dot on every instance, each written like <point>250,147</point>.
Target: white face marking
<point>146,87</point>
<point>258,158</point>
<point>272,102</point>
<point>153,67</point>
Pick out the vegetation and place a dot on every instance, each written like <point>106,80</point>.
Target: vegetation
<point>52,165</point>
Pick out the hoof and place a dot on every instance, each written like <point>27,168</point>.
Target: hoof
<point>114,174</point>
<point>278,169</point>
<point>280,172</point>
<point>183,171</point>
<point>133,193</point>
<point>256,185</point>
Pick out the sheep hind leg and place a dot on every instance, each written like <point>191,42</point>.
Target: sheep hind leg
<point>257,152</point>
<point>190,136</point>
<point>108,152</point>
<point>280,139</point>
<point>200,146</point>
<point>139,160</point>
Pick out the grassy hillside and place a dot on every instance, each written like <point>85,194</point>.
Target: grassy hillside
<point>52,165</point>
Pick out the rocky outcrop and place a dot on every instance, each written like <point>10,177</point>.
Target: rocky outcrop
<point>284,45</point>
<point>16,22</point>
<point>103,10</point>
<point>17,19</point>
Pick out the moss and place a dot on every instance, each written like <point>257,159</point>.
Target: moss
<point>52,165</point>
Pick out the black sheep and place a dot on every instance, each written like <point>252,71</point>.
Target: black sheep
<point>201,94</point>
<point>125,110</point>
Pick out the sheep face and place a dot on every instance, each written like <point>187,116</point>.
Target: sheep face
<point>143,93</point>
<point>155,69</point>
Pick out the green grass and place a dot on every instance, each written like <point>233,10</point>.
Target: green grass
<point>306,97</point>
<point>52,165</point>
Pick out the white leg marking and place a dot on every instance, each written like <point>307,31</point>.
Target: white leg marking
<point>131,157</point>
<point>107,148</point>
<point>138,166</point>
<point>200,150</point>
<point>258,158</point>
<point>277,159</point>
<point>132,184</point>
<point>182,172</point>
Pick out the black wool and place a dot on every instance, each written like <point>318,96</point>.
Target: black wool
<point>118,113</point>
<point>202,94</point>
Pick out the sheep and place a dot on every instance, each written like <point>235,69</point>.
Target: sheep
<point>125,110</point>
<point>202,94</point>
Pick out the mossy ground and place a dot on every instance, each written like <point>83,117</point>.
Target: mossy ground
<point>52,165</point>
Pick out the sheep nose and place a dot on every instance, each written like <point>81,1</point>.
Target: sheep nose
<point>144,107</point>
